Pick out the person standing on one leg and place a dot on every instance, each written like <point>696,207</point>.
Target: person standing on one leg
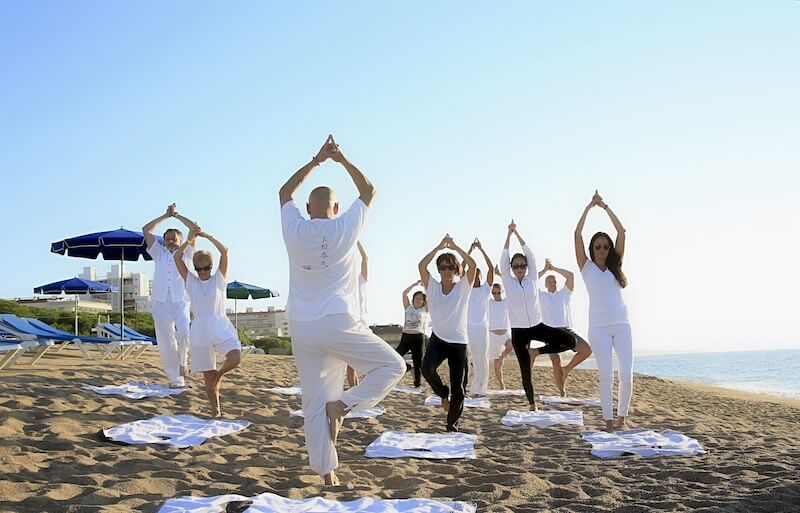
<point>523,310</point>
<point>323,310</point>
<point>555,313</point>
<point>448,303</point>
<point>211,329</point>
<point>499,332</point>
<point>413,336</point>
<point>477,325</point>
<point>170,301</point>
<point>609,327</point>
<point>363,276</point>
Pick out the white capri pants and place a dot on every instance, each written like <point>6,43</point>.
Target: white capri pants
<point>171,321</point>
<point>603,339</point>
<point>478,337</point>
<point>322,350</point>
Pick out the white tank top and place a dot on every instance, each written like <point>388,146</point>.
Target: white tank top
<point>606,306</point>
<point>498,315</point>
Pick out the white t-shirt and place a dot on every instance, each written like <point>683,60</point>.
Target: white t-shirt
<point>498,315</point>
<point>555,308</point>
<point>322,262</point>
<point>167,282</point>
<point>416,319</point>
<point>606,306</point>
<point>478,306</point>
<point>207,297</point>
<point>449,312</point>
<point>362,300</point>
<point>522,298</point>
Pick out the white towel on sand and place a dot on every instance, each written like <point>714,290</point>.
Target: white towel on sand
<point>408,390</point>
<point>175,430</point>
<point>135,390</point>
<point>399,444</point>
<point>370,413</point>
<point>643,442</point>
<point>542,418</point>
<point>555,400</point>
<point>271,503</point>
<point>469,402</point>
<point>295,390</point>
<point>506,391</point>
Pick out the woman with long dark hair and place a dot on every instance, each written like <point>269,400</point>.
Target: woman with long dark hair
<point>609,327</point>
<point>413,336</point>
<point>448,301</point>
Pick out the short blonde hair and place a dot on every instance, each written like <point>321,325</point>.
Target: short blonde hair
<point>202,258</point>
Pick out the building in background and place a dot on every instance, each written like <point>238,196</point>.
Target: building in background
<point>138,287</point>
<point>269,323</point>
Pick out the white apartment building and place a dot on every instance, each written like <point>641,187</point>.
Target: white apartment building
<point>138,287</point>
<point>269,323</point>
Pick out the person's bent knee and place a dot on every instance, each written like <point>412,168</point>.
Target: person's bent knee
<point>234,357</point>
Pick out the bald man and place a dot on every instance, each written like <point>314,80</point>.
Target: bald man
<point>324,312</point>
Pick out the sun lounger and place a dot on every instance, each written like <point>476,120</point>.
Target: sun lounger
<point>31,339</point>
<point>105,346</point>
<point>10,349</point>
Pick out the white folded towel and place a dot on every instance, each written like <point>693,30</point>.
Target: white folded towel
<point>542,418</point>
<point>295,390</point>
<point>469,402</point>
<point>555,400</point>
<point>135,390</point>
<point>643,442</point>
<point>506,392</point>
<point>370,413</point>
<point>175,430</point>
<point>399,444</point>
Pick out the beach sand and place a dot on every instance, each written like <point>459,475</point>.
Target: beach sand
<point>51,459</point>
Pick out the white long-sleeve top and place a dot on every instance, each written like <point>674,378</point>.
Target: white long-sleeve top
<point>522,297</point>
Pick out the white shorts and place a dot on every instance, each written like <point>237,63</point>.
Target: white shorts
<point>497,344</point>
<point>207,335</point>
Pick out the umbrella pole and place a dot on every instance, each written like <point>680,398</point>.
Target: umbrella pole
<point>236,313</point>
<point>76,314</point>
<point>122,294</point>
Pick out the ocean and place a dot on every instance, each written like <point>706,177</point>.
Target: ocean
<point>763,372</point>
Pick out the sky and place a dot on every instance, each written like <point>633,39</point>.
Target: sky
<point>684,115</point>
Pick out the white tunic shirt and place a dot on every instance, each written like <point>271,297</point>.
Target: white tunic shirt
<point>522,298</point>
<point>449,312</point>
<point>207,297</point>
<point>167,282</point>
<point>555,308</point>
<point>416,320</point>
<point>478,306</point>
<point>606,306</point>
<point>498,315</point>
<point>362,300</point>
<point>322,270</point>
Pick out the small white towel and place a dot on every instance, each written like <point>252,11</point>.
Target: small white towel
<point>643,442</point>
<point>506,392</point>
<point>399,444</point>
<point>175,430</point>
<point>271,503</point>
<point>371,413</point>
<point>135,390</point>
<point>408,390</point>
<point>555,400</point>
<point>295,390</point>
<point>542,418</point>
<point>469,402</point>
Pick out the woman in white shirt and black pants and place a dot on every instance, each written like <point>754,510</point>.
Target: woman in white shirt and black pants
<point>447,304</point>
<point>413,337</point>
<point>609,327</point>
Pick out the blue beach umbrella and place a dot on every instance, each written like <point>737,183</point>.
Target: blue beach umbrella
<point>119,245</point>
<point>237,290</point>
<point>75,286</point>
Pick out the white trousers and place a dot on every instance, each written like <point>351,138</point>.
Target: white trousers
<point>172,336</point>
<point>322,350</point>
<point>478,337</point>
<point>603,339</point>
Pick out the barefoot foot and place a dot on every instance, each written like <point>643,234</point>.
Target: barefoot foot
<point>445,404</point>
<point>330,479</point>
<point>609,426</point>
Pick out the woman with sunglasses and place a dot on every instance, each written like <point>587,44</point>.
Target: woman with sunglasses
<point>413,336</point>
<point>609,327</point>
<point>448,301</point>
<point>527,329</point>
<point>478,325</point>
<point>211,329</point>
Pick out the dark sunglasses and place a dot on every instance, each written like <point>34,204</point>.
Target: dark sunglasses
<point>519,266</point>
<point>448,268</point>
<point>203,269</point>
<point>496,293</point>
<point>596,248</point>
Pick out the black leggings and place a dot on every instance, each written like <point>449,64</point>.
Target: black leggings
<point>412,342</point>
<point>556,340</point>
<point>456,356</point>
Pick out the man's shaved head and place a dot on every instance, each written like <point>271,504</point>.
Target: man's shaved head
<point>322,203</point>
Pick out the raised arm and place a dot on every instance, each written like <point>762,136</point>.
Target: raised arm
<point>547,267</point>
<point>178,256</point>
<point>568,275</point>
<point>188,223</point>
<point>489,265</point>
<point>364,264</point>
<point>147,229</point>
<point>580,247</point>
<point>406,302</point>
<point>296,180</point>
<point>424,274</point>
<point>505,259</point>
<point>469,262</point>
<point>619,244</point>
<point>223,252</point>
<point>366,191</point>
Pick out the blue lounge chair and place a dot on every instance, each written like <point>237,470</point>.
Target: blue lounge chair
<point>140,342</point>
<point>106,346</point>
<point>29,337</point>
<point>10,349</point>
